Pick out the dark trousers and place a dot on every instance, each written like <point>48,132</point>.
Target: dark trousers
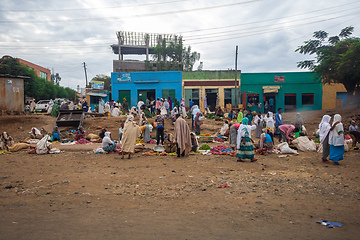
<point>326,148</point>
<point>159,134</point>
<point>178,151</point>
<point>282,136</point>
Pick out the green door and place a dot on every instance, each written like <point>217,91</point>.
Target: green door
<point>124,94</point>
<point>142,94</point>
<point>188,95</point>
<point>168,92</point>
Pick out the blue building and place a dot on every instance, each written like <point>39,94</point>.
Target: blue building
<point>94,96</point>
<point>138,85</point>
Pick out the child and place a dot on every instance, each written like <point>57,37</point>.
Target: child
<point>121,130</point>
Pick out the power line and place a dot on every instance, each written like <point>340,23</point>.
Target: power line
<point>63,46</point>
<point>129,16</point>
<point>272,19</point>
<point>260,32</point>
<point>209,35</point>
<point>207,29</point>
<point>77,40</point>
<point>85,9</point>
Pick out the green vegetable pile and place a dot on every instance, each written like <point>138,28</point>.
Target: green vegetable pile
<point>210,116</point>
<point>205,147</point>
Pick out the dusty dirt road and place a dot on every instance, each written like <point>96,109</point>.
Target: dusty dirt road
<point>81,195</point>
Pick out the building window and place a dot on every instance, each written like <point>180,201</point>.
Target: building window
<point>290,102</point>
<point>307,99</point>
<point>43,75</point>
<point>227,96</point>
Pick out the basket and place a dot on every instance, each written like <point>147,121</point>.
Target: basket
<point>205,139</point>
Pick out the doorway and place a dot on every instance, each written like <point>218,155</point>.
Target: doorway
<point>270,98</point>
<point>168,93</point>
<point>147,93</point>
<point>211,97</point>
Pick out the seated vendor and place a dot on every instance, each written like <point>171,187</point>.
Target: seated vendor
<point>232,115</point>
<point>266,143</point>
<point>194,142</point>
<point>108,145</point>
<point>80,133</point>
<point>354,130</point>
<point>219,112</point>
<point>102,133</point>
<point>55,136</point>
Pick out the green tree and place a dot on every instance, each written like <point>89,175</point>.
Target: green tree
<point>337,58</point>
<point>189,58</point>
<point>34,86</point>
<point>102,78</point>
<point>174,57</point>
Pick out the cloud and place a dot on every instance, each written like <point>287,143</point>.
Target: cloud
<point>61,35</point>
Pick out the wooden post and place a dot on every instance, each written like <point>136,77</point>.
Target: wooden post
<point>236,98</point>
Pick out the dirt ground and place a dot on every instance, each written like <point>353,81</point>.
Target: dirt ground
<point>80,195</point>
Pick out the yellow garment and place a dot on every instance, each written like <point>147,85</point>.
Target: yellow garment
<point>130,134</point>
<point>18,146</point>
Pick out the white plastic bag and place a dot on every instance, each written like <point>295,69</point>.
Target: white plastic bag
<point>305,144</point>
<point>42,145</point>
<point>284,148</point>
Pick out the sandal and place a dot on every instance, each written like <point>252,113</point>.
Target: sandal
<point>239,160</point>
<point>253,160</point>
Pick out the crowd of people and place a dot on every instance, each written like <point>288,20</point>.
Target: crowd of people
<point>237,128</point>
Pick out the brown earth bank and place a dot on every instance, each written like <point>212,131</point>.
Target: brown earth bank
<point>81,195</point>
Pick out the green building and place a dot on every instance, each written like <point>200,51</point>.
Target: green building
<point>291,91</point>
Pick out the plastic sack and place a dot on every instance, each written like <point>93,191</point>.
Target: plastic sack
<point>42,145</point>
<point>305,144</point>
<point>284,148</point>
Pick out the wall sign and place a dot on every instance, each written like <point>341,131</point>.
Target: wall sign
<point>97,85</point>
<point>124,77</point>
<point>279,79</point>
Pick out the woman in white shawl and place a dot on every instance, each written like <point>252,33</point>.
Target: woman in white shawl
<point>194,112</point>
<point>258,121</point>
<point>337,140</point>
<point>269,120</point>
<point>143,120</point>
<point>324,128</point>
<point>163,111</point>
<point>245,149</point>
<point>130,134</point>
<point>183,111</point>
<point>108,145</point>
<point>299,122</point>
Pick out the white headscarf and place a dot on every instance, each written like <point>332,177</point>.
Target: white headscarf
<point>324,127</point>
<point>129,118</point>
<point>195,110</point>
<point>339,128</point>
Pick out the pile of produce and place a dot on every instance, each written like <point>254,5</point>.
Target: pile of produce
<point>221,150</point>
<point>210,116</point>
<point>205,147</point>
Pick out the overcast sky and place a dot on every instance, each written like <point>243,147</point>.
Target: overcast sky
<point>61,35</point>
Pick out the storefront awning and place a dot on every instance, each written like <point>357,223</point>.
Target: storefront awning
<point>98,94</point>
<point>271,89</point>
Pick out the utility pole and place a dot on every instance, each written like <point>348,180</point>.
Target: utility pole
<point>85,74</point>
<point>236,93</point>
